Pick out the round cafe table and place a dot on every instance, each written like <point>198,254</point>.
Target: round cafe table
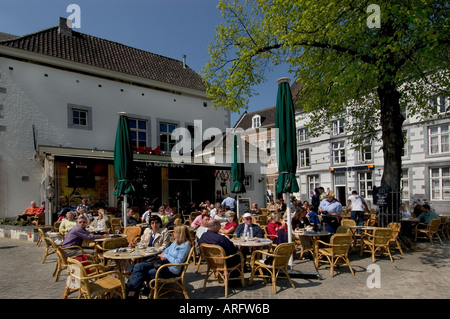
<point>125,257</point>
<point>252,243</point>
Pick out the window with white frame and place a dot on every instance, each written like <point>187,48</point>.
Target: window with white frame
<point>439,104</point>
<point>313,183</point>
<point>79,117</point>
<point>248,182</point>
<point>338,152</point>
<point>440,183</point>
<point>365,184</point>
<point>405,143</point>
<point>404,182</point>
<point>439,139</point>
<point>365,151</point>
<point>303,158</point>
<point>138,131</point>
<point>302,134</point>
<point>337,127</point>
<point>165,136</point>
<point>256,121</point>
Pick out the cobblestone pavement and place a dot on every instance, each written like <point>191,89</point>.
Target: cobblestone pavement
<point>420,274</point>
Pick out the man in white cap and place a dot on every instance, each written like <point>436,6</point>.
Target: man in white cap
<point>247,228</point>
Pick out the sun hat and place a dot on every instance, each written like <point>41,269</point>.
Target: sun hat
<point>247,215</point>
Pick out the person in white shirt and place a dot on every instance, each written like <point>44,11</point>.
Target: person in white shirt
<point>358,206</point>
<point>405,212</point>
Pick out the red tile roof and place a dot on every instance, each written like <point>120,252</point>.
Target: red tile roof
<point>90,50</point>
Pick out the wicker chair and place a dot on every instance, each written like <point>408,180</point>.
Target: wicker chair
<point>116,226</point>
<point>306,244</point>
<point>133,233</point>
<point>62,263</point>
<point>261,220</point>
<point>394,238</point>
<point>372,220</point>
<point>161,286</point>
<point>216,261</point>
<point>431,230</point>
<point>95,280</point>
<point>348,222</point>
<point>378,242</point>
<point>281,256</point>
<point>108,244</point>
<point>50,245</point>
<point>336,250</point>
<point>442,227</point>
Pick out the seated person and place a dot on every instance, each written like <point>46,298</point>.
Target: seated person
<point>230,226</point>
<point>155,236</point>
<point>204,221</point>
<point>196,223</point>
<point>131,218</point>
<point>84,205</point>
<point>281,205</point>
<point>215,210</point>
<point>165,219</point>
<point>255,210</point>
<point>277,227</point>
<point>212,236</point>
<point>177,252</point>
<point>33,210</point>
<point>77,234</point>
<point>67,224</point>
<point>300,220</point>
<point>146,215</point>
<point>272,207</point>
<point>331,211</point>
<point>83,212</point>
<point>220,216</point>
<point>426,216</point>
<point>247,226</point>
<point>101,223</point>
<point>313,217</point>
<point>404,211</point>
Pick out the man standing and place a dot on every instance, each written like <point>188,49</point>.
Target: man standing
<point>358,207</point>
<point>230,202</point>
<point>316,198</point>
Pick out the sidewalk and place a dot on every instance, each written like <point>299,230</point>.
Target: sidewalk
<point>420,274</point>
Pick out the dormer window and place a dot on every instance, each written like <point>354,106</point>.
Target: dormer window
<point>256,121</point>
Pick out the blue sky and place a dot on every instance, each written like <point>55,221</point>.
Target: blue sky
<point>167,27</point>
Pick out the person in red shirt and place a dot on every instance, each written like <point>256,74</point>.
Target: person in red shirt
<point>277,227</point>
<point>33,210</point>
<point>230,226</point>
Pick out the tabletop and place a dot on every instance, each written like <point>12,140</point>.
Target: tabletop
<point>410,219</point>
<point>361,227</point>
<point>254,242</point>
<point>111,236</point>
<point>129,253</point>
<point>312,233</point>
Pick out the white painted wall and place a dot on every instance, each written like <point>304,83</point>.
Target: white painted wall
<point>32,98</point>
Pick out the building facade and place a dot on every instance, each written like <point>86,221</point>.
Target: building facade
<point>60,95</point>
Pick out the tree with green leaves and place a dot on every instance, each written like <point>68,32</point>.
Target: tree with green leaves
<point>361,60</point>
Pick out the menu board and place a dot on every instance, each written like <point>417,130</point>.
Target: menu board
<point>244,206</point>
<point>381,196</point>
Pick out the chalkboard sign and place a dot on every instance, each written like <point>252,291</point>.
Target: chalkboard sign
<point>244,206</point>
<point>381,196</point>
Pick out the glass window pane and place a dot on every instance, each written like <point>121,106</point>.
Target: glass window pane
<point>132,124</point>
<point>142,125</point>
<point>76,121</point>
<point>142,136</point>
<point>163,128</point>
<point>171,128</point>
<point>435,172</point>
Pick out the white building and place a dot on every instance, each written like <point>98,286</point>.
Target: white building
<point>60,95</point>
<point>330,161</point>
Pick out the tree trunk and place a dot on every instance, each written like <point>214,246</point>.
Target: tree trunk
<point>392,136</point>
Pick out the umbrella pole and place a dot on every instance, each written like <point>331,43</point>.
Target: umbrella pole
<point>124,210</point>
<point>289,221</point>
